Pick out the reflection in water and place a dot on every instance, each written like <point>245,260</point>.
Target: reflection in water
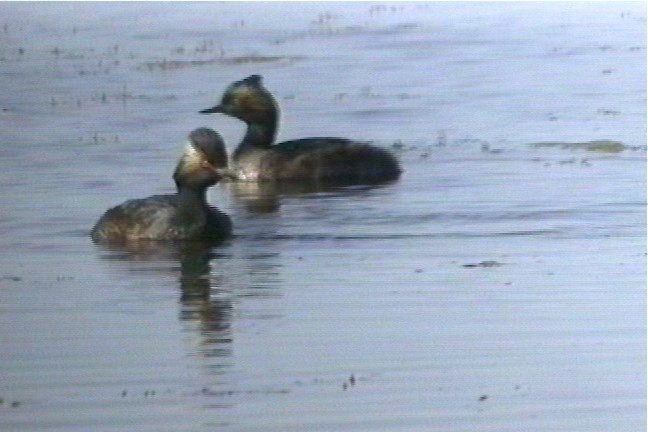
<point>200,300</point>
<point>213,314</point>
<point>260,198</point>
<point>207,296</point>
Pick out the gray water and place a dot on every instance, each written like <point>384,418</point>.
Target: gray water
<point>499,285</point>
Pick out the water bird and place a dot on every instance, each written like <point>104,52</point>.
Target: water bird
<point>323,160</point>
<point>184,215</point>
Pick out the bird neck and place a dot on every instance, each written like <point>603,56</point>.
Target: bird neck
<point>192,202</point>
<point>260,133</point>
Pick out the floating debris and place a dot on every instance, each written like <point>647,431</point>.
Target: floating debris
<point>485,148</point>
<point>349,383</point>
<point>484,264</point>
<point>602,146</point>
<point>247,59</point>
<point>567,161</point>
<point>607,112</point>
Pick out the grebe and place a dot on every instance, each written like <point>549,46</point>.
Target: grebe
<point>322,160</point>
<point>184,215</point>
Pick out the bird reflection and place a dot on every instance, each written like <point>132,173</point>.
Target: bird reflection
<point>200,300</point>
<point>265,197</point>
<point>204,299</point>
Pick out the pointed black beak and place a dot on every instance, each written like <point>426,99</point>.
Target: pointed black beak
<point>226,174</point>
<point>212,110</point>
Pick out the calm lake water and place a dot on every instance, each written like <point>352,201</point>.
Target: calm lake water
<point>499,285</point>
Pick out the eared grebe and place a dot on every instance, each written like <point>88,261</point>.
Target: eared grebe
<point>184,215</point>
<point>323,160</point>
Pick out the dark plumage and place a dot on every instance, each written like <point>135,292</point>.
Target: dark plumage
<point>322,160</point>
<point>184,215</point>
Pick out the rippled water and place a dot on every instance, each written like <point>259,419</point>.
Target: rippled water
<point>498,286</point>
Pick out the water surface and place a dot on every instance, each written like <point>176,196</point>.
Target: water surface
<point>498,286</point>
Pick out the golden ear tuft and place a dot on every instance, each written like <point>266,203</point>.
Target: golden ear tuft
<point>192,158</point>
<point>253,100</point>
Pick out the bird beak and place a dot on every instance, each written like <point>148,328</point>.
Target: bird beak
<point>221,173</point>
<point>212,110</point>
<point>226,173</point>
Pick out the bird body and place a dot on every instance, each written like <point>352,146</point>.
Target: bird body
<point>317,159</point>
<point>185,215</point>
